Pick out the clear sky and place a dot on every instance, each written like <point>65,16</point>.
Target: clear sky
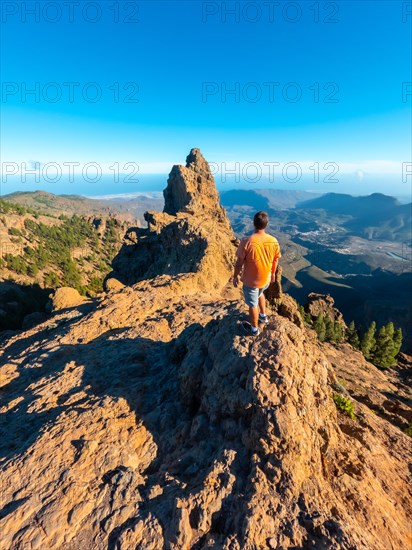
<point>312,82</point>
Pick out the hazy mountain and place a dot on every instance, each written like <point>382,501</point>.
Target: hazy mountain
<point>375,216</point>
<point>265,199</point>
<point>127,209</point>
<point>339,203</point>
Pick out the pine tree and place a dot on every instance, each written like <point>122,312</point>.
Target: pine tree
<point>352,335</point>
<point>338,332</point>
<point>329,330</point>
<point>320,327</point>
<point>388,343</point>
<point>301,311</point>
<point>305,316</point>
<point>308,318</point>
<point>397,340</point>
<point>368,341</point>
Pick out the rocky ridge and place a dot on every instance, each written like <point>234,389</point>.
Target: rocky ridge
<point>127,210</point>
<point>145,420</point>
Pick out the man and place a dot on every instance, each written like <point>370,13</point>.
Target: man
<point>258,255</point>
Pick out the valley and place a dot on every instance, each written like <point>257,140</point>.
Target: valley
<point>326,250</point>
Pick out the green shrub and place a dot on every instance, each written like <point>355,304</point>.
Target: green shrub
<point>51,280</point>
<point>30,225</point>
<point>387,346</point>
<point>16,264</point>
<point>95,284</point>
<point>408,430</point>
<point>32,270</point>
<point>345,405</point>
<point>381,347</point>
<point>306,317</point>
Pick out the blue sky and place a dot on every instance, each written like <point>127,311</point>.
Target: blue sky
<point>172,53</point>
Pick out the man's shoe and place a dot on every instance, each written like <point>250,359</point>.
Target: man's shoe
<point>263,319</point>
<point>248,329</point>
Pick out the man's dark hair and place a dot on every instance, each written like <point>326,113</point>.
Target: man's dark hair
<point>261,220</point>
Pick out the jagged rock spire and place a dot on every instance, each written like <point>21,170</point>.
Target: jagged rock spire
<point>197,162</point>
<point>193,234</point>
<point>192,188</point>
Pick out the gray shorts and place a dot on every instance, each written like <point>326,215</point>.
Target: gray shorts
<point>252,295</point>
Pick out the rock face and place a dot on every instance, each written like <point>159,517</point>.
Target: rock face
<point>274,293</point>
<point>323,304</point>
<point>191,239</point>
<point>148,421</point>
<point>191,189</point>
<point>18,301</point>
<point>33,319</point>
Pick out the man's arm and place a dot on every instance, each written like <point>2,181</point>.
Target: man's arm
<point>275,265</point>
<point>274,268</point>
<point>238,268</point>
<point>240,260</point>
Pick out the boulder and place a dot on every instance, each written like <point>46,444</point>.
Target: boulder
<point>111,283</point>
<point>65,297</point>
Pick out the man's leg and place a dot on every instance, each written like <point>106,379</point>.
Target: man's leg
<point>253,316</point>
<point>262,304</point>
<point>252,301</point>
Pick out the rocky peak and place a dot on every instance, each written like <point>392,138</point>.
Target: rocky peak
<point>192,188</point>
<point>191,236</point>
<point>196,161</point>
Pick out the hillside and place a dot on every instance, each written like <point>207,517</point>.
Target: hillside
<point>144,419</point>
<point>128,210</point>
<point>49,203</point>
<point>41,252</point>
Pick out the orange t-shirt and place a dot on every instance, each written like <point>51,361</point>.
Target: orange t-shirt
<point>258,252</point>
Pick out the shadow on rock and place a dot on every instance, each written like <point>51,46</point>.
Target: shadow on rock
<point>200,454</point>
<point>198,457</point>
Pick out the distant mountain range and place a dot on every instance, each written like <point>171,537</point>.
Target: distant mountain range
<point>128,209</point>
<point>265,199</point>
<point>374,216</point>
